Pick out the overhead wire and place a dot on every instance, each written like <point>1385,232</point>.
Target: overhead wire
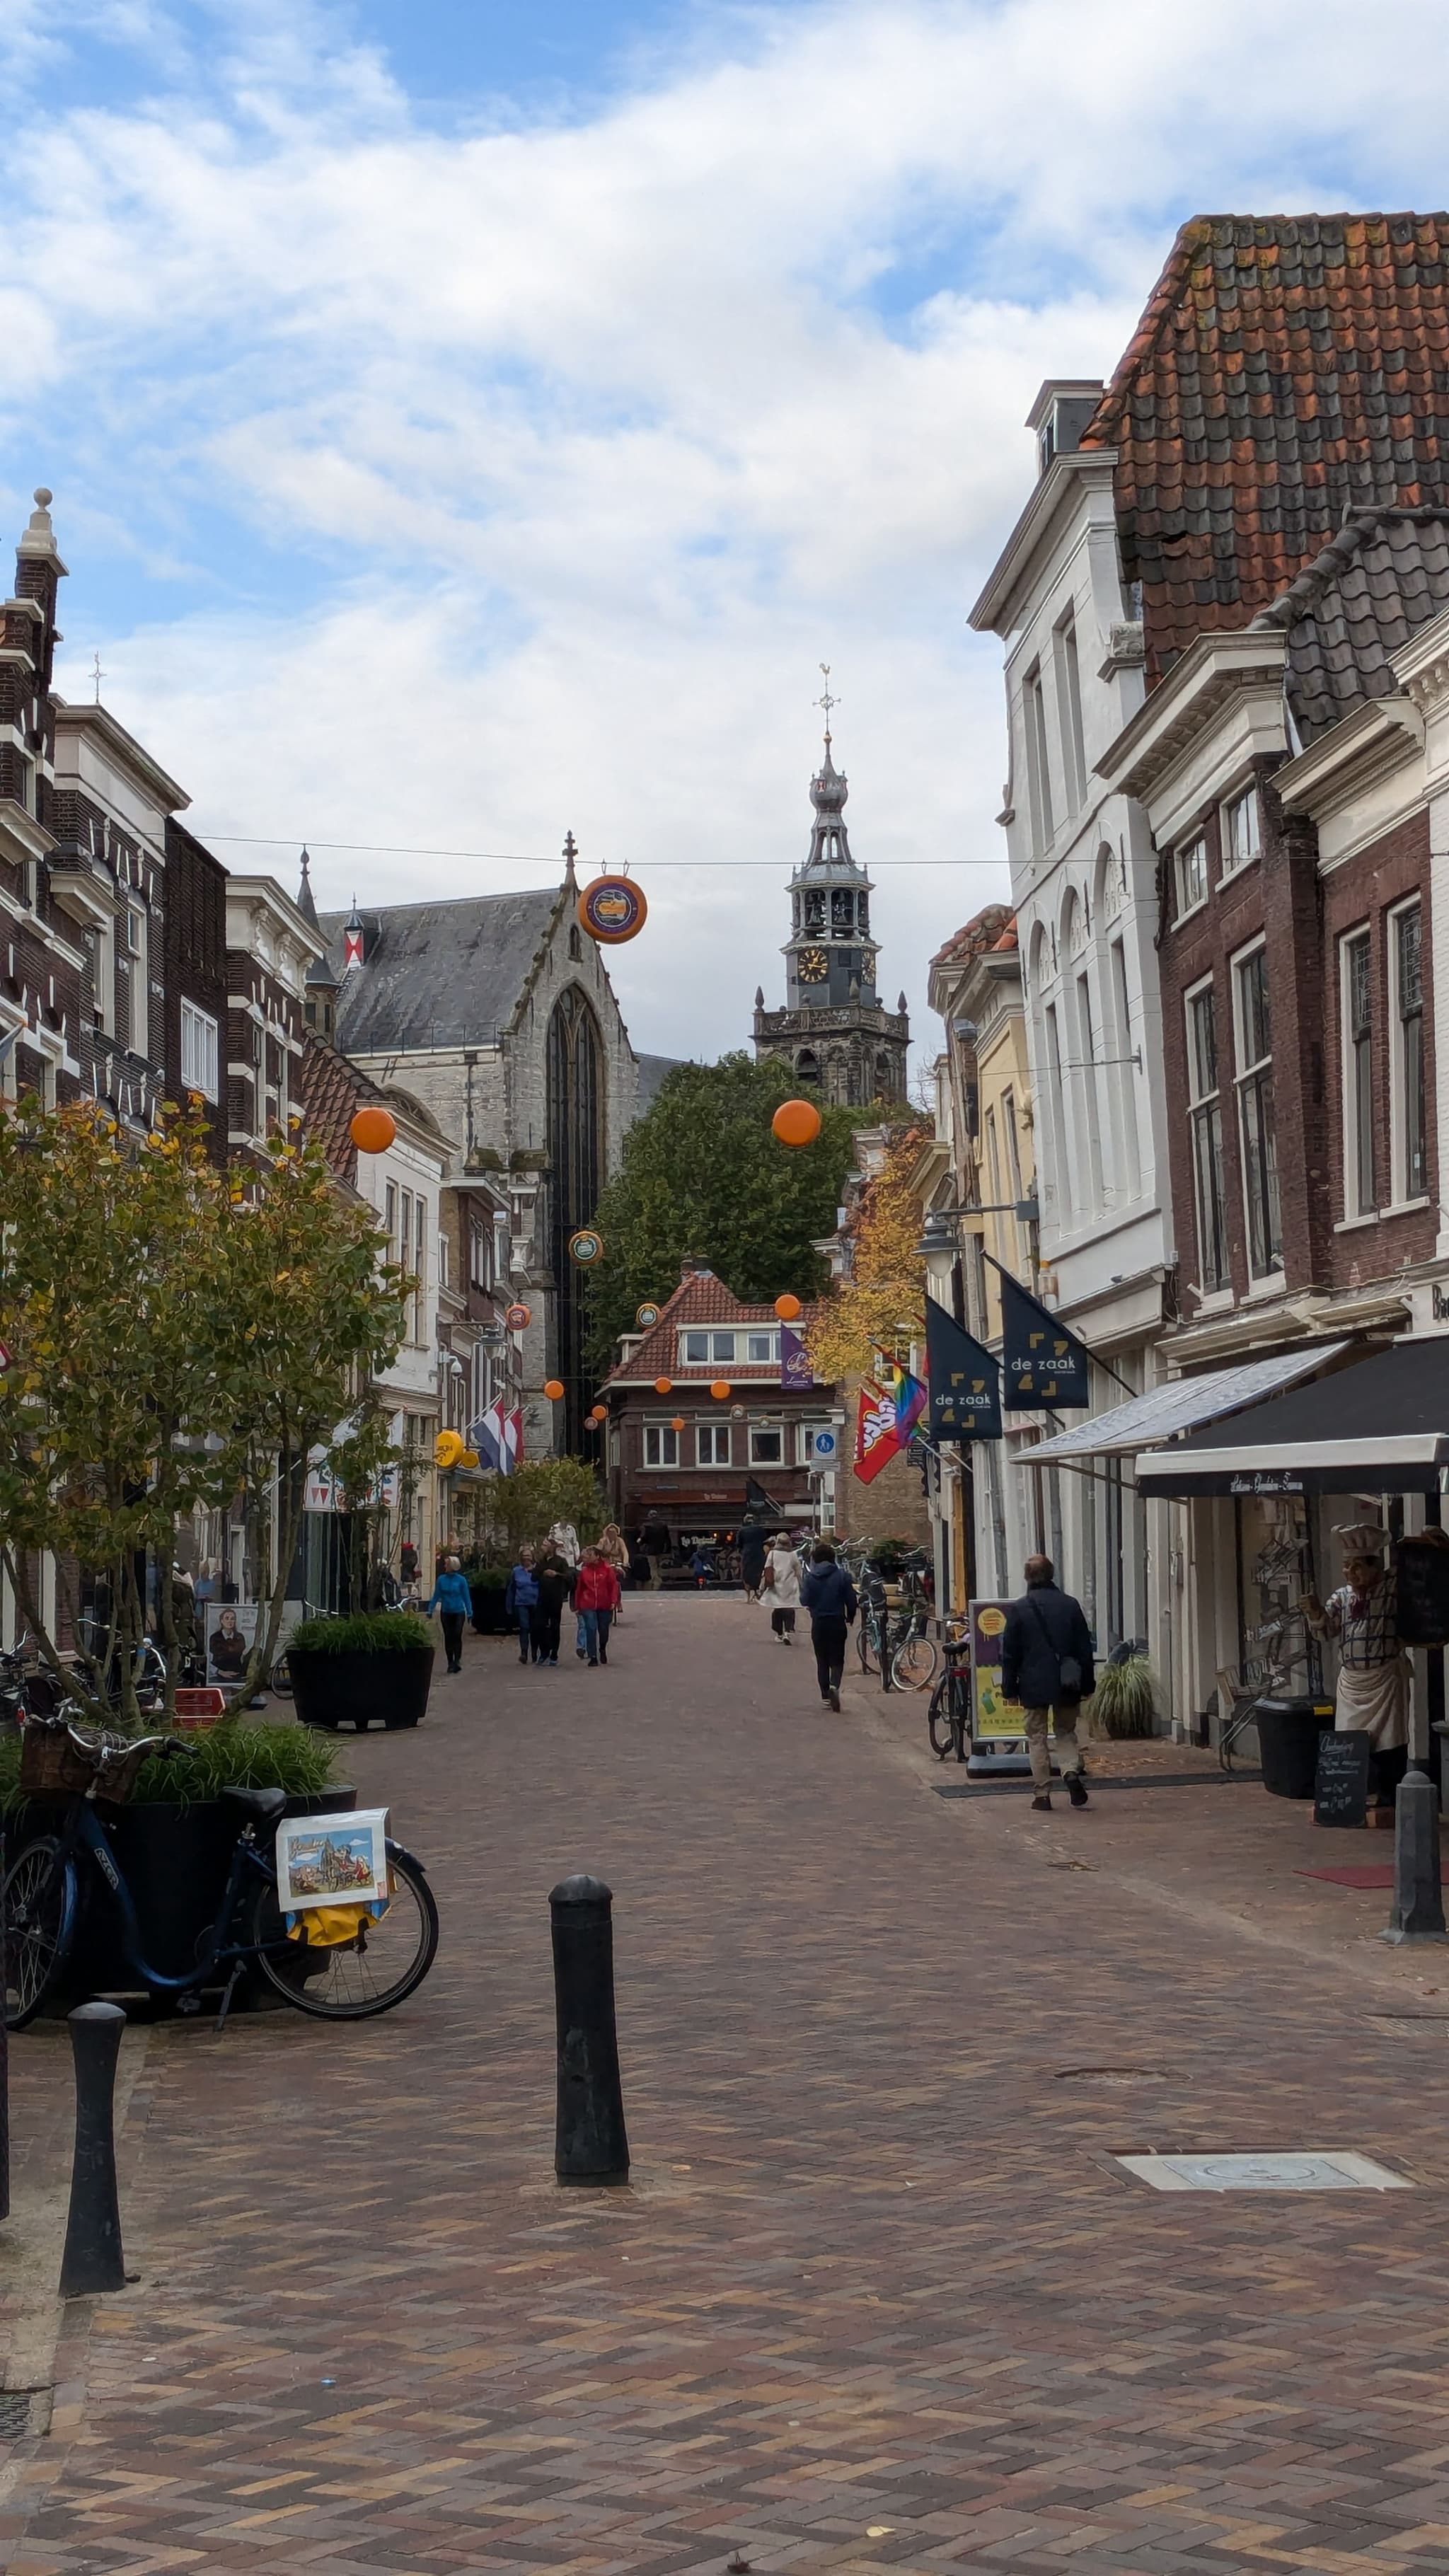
<point>531,858</point>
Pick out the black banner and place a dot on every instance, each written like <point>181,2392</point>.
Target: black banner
<point>1042,1364</point>
<point>965,1380</point>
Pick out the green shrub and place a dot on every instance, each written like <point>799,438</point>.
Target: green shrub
<point>488,1578</point>
<point>1125,1699</point>
<point>363,1632</point>
<point>228,1756</point>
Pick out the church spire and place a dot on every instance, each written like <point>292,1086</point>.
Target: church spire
<point>306,902</point>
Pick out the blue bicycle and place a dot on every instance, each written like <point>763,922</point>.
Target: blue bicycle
<point>381,1963</point>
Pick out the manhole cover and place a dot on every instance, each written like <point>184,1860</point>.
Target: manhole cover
<point>1342,2170</point>
<point>22,2411</point>
<point>1111,2075</point>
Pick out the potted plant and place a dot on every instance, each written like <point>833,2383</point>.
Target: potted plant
<point>1124,1702</point>
<point>374,1666</point>
<point>488,1584</point>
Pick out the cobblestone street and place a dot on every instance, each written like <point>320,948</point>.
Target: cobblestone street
<point>876,2297</point>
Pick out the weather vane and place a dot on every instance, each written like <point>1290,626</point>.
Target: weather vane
<point>827,701</point>
<point>97,674</point>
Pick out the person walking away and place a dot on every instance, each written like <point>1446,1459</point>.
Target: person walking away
<point>1371,1693</point>
<point>555,1583</point>
<point>614,1552</point>
<point>655,1543</point>
<point>454,1604</point>
<point>829,1595</point>
<point>563,1538</point>
<point>754,1547</point>
<point>1046,1664</point>
<point>780,1587</point>
<point>596,1598</point>
<point>521,1598</point>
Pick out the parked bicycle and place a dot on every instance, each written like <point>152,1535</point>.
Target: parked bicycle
<point>948,1720</point>
<point>47,1884</point>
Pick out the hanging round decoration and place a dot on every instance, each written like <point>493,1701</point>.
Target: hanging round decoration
<point>611,910</point>
<point>737,1413</point>
<point>372,1130</point>
<point>518,1318</point>
<point>787,1308</point>
<point>449,1449</point>
<point>678,1422</point>
<point>721,1390</point>
<point>664,1386</point>
<point>586,1247</point>
<point>796,1122</point>
<point>553,1388</point>
<point>646,1317</point>
<point>469,1458</point>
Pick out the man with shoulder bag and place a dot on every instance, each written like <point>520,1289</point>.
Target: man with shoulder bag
<point>1046,1664</point>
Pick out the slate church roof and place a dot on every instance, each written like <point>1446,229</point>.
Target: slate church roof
<point>1286,369</point>
<point>443,974</point>
<point>1383,575</point>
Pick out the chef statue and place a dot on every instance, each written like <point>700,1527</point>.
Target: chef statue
<point>1372,1694</point>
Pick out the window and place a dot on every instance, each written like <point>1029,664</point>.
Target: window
<point>761,1348</point>
<point>1255,1113</point>
<point>1126,1089</point>
<point>420,1264</point>
<point>443,1260</point>
<point>767,1444</point>
<point>1056,1114</point>
<point>1069,702</point>
<point>1242,836</point>
<point>1087,1035</point>
<point>1205,1120</point>
<point>1038,765</point>
<point>389,1219</point>
<point>1192,882</point>
<point>1355,979</point>
<point>198,1051</point>
<point>478,1265</point>
<point>701,1348</point>
<point>1411,1172</point>
<point>712,1444</point>
<point>661,1445</point>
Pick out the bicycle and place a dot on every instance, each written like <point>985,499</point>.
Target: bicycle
<point>386,1959</point>
<point>948,1719</point>
<point>916,1658</point>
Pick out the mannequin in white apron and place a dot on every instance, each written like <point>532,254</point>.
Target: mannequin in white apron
<point>1371,1696</point>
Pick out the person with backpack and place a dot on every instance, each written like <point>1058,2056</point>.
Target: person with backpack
<point>829,1595</point>
<point>1046,1664</point>
<point>521,1598</point>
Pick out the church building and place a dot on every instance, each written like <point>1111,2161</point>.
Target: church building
<point>835,1030</point>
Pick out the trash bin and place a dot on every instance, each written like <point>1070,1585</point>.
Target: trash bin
<point>1288,1733</point>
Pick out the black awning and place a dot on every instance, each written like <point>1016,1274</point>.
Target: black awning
<point>1380,1426</point>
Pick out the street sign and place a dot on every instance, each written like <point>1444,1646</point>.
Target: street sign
<point>823,1445</point>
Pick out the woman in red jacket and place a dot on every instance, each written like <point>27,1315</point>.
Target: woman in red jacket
<point>596,1598</point>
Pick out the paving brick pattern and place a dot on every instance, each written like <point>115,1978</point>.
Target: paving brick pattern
<point>876,2297</point>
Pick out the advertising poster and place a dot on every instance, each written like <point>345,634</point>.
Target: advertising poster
<point>332,1860</point>
<point>230,1634</point>
<point>993,1718</point>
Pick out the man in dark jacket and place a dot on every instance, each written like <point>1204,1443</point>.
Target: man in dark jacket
<point>1046,1664</point>
<point>754,1548</point>
<point>829,1596</point>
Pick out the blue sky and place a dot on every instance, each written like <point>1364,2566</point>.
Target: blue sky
<point>473,422</point>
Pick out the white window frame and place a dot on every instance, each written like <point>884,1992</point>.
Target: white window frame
<point>1200,1103</point>
<point>1231,861</point>
<point>1360,1158</point>
<point>721,1350</point>
<point>200,1039</point>
<point>1038,761</point>
<point>665,1441</point>
<point>712,1444</point>
<point>1403,1194</point>
<point>768,1431</point>
<point>1069,709</point>
<point>770,1355</point>
<point>1248,1080</point>
<point>1195,848</point>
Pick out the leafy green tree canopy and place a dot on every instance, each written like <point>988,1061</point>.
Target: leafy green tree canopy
<point>703,1176</point>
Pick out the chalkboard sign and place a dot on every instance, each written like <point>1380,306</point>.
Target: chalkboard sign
<point>1341,1782</point>
<point>1422,1567</point>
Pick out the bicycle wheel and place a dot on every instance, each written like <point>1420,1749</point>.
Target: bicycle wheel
<point>37,1905</point>
<point>938,1718</point>
<point>866,1644</point>
<point>358,1978</point>
<point>915,1662</point>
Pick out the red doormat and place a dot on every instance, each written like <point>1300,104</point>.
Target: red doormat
<point>1366,1876</point>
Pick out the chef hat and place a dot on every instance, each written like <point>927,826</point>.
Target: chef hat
<point>1362,1538</point>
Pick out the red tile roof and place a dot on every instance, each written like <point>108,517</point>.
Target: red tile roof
<point>700,1298</point>
<point>330,1090</point>
<point>1285,369</point>
<point>985,930</point>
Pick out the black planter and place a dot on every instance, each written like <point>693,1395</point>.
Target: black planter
<point>361,1689</point>
<point>490,1619</point>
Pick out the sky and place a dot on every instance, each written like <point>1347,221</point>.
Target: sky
<point>472,421</point>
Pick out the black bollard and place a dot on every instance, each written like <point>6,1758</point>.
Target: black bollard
<point>590,2142</point>
<point>92,2260</point>
<point>1417,1913</point>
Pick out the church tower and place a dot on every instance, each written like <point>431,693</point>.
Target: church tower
<point>834,1029</point>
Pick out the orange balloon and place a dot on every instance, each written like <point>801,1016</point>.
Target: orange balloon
<point>600,1413</point>
<point>553,1387</point>
<point>663,1385</point>
<point>372,1130</point>
<point>720,1389</point>
<point>787,1308</point>
<point>678,1423</point>
<point>796,1122</point>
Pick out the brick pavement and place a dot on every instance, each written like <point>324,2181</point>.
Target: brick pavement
<point>875,2298</point>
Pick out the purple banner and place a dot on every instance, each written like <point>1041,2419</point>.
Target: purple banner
<point>795,1369</point>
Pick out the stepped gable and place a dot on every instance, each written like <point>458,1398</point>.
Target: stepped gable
<point>701,1298</point>
<point>1286,370</point>
<point>1385,574</point>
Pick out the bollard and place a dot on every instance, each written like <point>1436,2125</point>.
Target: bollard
<point>92,2260</point>
<point>1417,1913</point>
<point>590,2141</point>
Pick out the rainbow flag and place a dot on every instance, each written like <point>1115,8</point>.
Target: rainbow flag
<point>907,1392</point>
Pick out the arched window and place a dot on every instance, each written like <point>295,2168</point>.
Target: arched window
<point>576,1100</point>
<point>807,1065</point>
<point>884,1079</point>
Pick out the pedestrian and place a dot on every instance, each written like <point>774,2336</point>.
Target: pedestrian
<point>1046,1664</point>
<point>596,1598</point>
<point>754,1547</point>
<point>701,1565</point>
<point>521,1598</point>
<point>614,1552</point>
<point>654,1543</point>
<point>453,1602</point>
<point>555,1583</point>
<point>563,1538</point>
<point>780,1586</point>
<point>829,1595</point>
<point>1371,1694</point>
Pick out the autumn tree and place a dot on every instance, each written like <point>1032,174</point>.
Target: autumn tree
<point>882,1300</point>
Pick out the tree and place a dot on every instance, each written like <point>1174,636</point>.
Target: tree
<point>521,1509</point>
<point>703,1176</point>
<point>885,1290</point>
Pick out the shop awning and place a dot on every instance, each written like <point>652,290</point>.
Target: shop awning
<point>1166,1411</point>
<point>1378,1427</point>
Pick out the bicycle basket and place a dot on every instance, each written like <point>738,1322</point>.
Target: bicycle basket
<point>117,1770</point>
<point>55,1760</point>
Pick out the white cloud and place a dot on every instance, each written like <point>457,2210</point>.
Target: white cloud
<point>589,440</point>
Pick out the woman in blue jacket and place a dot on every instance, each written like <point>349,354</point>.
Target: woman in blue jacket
<point>454,1604</point>
<point>521,1598</point>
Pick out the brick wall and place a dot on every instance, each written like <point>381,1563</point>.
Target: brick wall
<point>194,953</point>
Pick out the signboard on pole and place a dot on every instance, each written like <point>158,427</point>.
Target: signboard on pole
<point>994,1718</point>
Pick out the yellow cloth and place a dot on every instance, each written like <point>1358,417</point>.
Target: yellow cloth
<point>327,1927</point>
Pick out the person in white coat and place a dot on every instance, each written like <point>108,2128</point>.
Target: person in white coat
<point>780,1586</point>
